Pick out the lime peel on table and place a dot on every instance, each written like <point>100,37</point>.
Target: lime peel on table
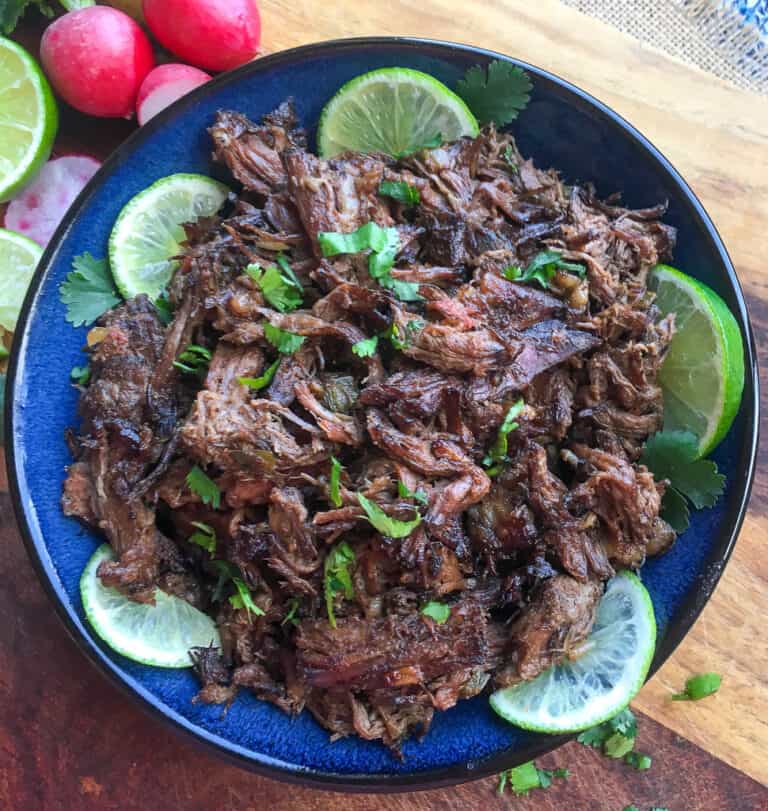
<point>160,635</point>
<point>148,232</point>
<point>392,110</point>
<point>703,372</point>
<point>611,668</point>
<point>18,259</point>
<point>30,118</point>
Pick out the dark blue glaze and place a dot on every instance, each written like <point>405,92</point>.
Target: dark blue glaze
<point>562,127</point>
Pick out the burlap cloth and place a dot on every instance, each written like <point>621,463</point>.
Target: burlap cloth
<point>709,33</point>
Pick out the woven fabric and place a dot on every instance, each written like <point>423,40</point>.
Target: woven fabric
<point>726,37</point>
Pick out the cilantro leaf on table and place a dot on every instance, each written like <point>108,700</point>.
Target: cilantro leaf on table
<point>498,94</point>
<point>366,348</point>
<point>437,611</point>
<point>88,291</point>
<point>528,776</point>
<point>614,737</point>
<point>263,380</point>
<point>285,342</point>
<point>334,486</point>
<point>200,484</point>
<point>386,525</point>
<point>337,578</point>
<point>700,686</point>
<point>401,191</point>
<point>638,761</point>
<point>542,268</point>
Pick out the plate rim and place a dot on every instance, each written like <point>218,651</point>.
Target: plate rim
<point>680,622</point>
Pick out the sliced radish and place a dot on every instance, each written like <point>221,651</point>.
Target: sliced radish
<point>164,85</point>
<point>38,210</point>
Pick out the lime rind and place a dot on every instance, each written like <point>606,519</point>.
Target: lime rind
<point>19,257</point>
<point>160,635</point>
<point>703,372</point>
<point>578,694</point>
<point>148,231</point>
<point>19,119</point>
<point>392,110</point>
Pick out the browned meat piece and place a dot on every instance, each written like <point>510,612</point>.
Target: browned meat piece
<point>550,397</point>
<point>337,427</point>
<point>347,298</point>
<point>293,369</point>
<point>553,626</point>
<point>214,675</point>
<point>448,171</point>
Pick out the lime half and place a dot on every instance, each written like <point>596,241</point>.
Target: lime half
<point>159,634</point>
<point>148,231</point>
<point>18,259</point>
<point>608,673</point>
<point>392,110</point>
<point>703,373</point>
<point>29,118</point>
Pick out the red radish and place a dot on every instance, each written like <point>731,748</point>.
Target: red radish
<point>212,34</point>
<point>164,85</point>
<point>96,59</point>
<point>38,210</point>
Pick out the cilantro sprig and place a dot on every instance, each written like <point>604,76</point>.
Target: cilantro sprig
<point>616,739</point>
<point>497,93</point>
<point>385,524</point>
<point>528,776</point>
<point>439,612</point>
<point>498,451</point>
<point>284,342</point>
<point>673,455</point>
<point>262,381</point>
<point>337,578</point>
<point>698,687</point>
<point>279,284</point>
<point>194,360</point>
<point>200,484</point>
<point>366,348</point>
<point>229,573</point>
<point>542,268</point>
<point>88,291</point>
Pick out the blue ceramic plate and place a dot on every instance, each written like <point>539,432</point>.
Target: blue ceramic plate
<point>562,127</point>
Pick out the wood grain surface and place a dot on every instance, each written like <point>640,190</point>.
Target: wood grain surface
<point>70,740</point>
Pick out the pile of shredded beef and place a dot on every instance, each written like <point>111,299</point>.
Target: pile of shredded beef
<point>520,557</point>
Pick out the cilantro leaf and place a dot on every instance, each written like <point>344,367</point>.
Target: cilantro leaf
<point>285,342</point>
<point>88,291</point>
<point>293,607</point>
<point>366,347</point>
<point>594,736</point>
<point>498,94</point>
<point>280,289</point>
<point>402,340</point>
<point>509,158</point>
<point>428,143</point>
<point>227,571</point>
<point>624,722</point>
<point>528,776</point>
<point>194,360</point>
<point>404,492</point>
<point>334,490</point>
<point>498,451</point>
<point>205,536</point>
<point>390,527</point>
<point>164,309</point>
<point>698,687</point>
<point>262,381</point>
<point>439,612</point>
<point>673,455</point>
<point>243,598</point>
<point>546,776</point>
<point>81,374</point>
<point>401,191</point>
<point>288,273</point>
<point>638,761</point>
<point>674,509</point>
<point>12,10</point>
<point>542,268</point>
<point>199,483</point>
<point>618,745</point>
<point>337,578</point>
<point>615,737</point>
<point>630,808</point>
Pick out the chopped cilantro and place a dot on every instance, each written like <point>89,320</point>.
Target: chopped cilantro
<point>404,492</point>
<point>390,527</point>
<point>542,268</point>
<point>497,95</point>
<point>285,342</point>
<point>439,612</point>
<point>88,291</point>
<point>194,360</point>
<point>334,490</point>
<point>616,738</point>
<point>618,745</point>
<point>293,607</point>
<point>528,776</point>
<point>199,483</point>
<point>638,761</point>
<point>429,143</point>
<point>366,347</point>
<point>262,381</point>
<point>498,451</point>
<point>698,687</point>
<point>673,455</point>
<point>279,286</point>
<point>243,598</point>
<point>630,808</point>
<point>402,340</point>
<point>401,191</point>
<point>80,374</point>
<point>337,577</point>
<point>205,536</point>
<point>509,158</point>
<point>164,308</point>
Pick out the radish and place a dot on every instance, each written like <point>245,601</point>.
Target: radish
<point>164,85</point>
<point>38,210</point>
<point>212,34</point>
<point>96,59</point>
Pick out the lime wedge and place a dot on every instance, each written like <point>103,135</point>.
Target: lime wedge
<point>29,118</point>
<point>148,231</point>
<point>18,259</point>
<point>159,634</point>
<point>608,673</point>
<point>703,373</point>
<point>392,110</point>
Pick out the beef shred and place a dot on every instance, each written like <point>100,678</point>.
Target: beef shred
<point>517,546</point>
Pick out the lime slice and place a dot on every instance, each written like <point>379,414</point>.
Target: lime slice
<point>148,231</point>
<point>609,671</point>
<point>703,373</point>
<point>392,110</point>
<point>18,259</point>
<point>29,118</point>
<point>159,634</point>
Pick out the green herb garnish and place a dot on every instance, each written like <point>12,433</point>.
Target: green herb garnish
<point>497,95</point>
<point>88,291</point>
<point>199,483</point>
<point>509,158</point>
<point>279,286</point>
<point>402,340</point>
<point>698,687</point>
<point>429,143</point>
<point>401,191</point>
<point>439,612</point>
<point>542,268</point>
<point>285,342</point>
<point>164,308</point>
<point>205,536</point>
<point>366,348</point>
<point>194,360</point>
<point>616,739</point>
<point>293,607</point>
<point>258,383</point>
<point>334,489</point>
<point>80,374</point>
<point>498,451</point>
<point>337,577</point>
<point>405,492</point>
<point>379,520</point>
<point>638,761</point>
<point>528,776</point>
<point>243,598</point>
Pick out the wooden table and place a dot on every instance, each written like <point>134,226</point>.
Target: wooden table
<point>70,740</point>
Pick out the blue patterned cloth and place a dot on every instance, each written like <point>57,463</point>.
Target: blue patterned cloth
<point>754,12</point>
